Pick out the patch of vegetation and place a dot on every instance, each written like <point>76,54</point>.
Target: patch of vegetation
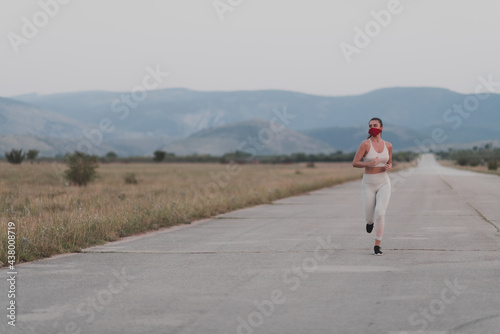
<point>129,178</point>
<point>159,156</point>
<point>15,156</point>
<point>478,156</point>
<point>82,168</point>
<point>32,155</point>
<point>54,218</point>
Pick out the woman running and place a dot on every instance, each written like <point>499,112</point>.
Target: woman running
<point>376,185</point>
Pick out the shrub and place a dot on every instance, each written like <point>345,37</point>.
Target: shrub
<point>159,155</point>
<point>130,178</point>
<point>474,162</point>
<point>237,156</point>
<point>32,155</point>
<point>15,156</point>
<point>463,161</point>
<point>493,164</point>
<point>310,164</point>
<point>81,168</point>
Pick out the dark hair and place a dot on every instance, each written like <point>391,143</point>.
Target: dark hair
<point>375,119</point>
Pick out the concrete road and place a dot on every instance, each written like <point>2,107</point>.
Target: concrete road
<point>300,265</point>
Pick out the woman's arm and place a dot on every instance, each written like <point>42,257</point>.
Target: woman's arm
<point>388,166</point>
<point>356,162</point>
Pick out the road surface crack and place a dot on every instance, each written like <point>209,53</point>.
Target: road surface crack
<point>278,251</point>
<point>484,217</point>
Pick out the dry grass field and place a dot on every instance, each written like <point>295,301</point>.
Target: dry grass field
<point>52,217</point>
<point>479,169</point>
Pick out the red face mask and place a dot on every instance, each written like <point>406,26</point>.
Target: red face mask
<point>374,132</point>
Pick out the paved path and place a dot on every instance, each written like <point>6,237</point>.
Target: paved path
<point>301,265</point>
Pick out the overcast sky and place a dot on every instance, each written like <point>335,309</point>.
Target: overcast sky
<point>260,44</point>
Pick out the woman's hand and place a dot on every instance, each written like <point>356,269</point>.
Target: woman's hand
<point>388,167</point>
<point>374,163</point>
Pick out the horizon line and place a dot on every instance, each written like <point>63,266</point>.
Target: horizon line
<point>231,91</point>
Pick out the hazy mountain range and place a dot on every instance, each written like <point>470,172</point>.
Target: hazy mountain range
<point>185,121</point>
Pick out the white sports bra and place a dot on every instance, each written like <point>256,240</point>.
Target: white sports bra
<point>383,157</point>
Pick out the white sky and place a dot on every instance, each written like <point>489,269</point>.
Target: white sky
<point>261,44</point>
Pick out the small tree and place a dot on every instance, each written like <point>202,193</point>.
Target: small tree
<point>463,161</point>
<point>237,156</point>
<point>15,156</point>
<point>130,178</point>
<point>32,155</point>
<point>493,164</point>
<point>111,155</point>
<point>473,162</point>
<point>159,155</point>
<point>81,168</point>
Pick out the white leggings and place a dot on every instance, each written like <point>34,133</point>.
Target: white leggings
<point>376,190</point>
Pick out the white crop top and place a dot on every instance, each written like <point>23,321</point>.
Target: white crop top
<point>383,157</point>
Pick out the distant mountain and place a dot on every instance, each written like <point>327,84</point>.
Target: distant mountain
<point>24,126</point>
<point>468,146</point>
<point>47,146</point>
<point>255,137</point>
<point>19,118</point>
<point>169,115</point>
<point>9,142</point>
<point>173,112</point>
<point>348,139</point>
<point>181,112</point>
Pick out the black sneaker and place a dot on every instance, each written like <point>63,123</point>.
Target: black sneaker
<point>369,228</point>
<point>377,251</point>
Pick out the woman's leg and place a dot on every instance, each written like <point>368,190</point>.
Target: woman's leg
<point>382,201</point>
<point>369,193</point>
